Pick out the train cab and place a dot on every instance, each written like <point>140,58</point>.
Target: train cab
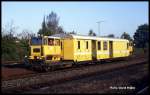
<point>45,49</point>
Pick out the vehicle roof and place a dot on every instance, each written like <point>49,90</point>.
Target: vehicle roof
<point>52,37</point>
<point>48,37</point>
<point>87,37</point>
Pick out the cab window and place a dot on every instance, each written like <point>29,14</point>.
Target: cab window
<point>57,42</point>
<point>50,41</point>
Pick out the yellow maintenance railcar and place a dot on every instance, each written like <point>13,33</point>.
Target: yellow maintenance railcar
<point>84,48</point>
<point>50,50</point>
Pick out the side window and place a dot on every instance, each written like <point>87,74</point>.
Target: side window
<point>86,44</point>
<point>99,45</point>
<point>78,44</point>
<point>105,45</point>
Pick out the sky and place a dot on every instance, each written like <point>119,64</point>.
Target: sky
<point>117,17</point>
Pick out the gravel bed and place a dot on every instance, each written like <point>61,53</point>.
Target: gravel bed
<point>127,80</point>
<point>63,75</point>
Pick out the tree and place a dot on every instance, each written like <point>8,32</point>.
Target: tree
<point>126,36</point>
<point>14,46</point>
<point>111,36</point>
<point>9,30</point>
<point>73,32</point>
<point>141,36</point>
<point>50,25</point>
<point>9,51</point>
<point>60,30</point>
<point>44,29</point>
<point>25,34</point>
<point>91,33</point>
<point>24,37</point>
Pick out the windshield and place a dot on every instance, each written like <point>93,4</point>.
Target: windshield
<point>36,41</point>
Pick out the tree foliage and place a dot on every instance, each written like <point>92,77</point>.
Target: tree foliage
<point>141,36</point>
<point>91,33</point>
<point>73,32</point>
<point>126,36</point>
<point>50,25</point>
<point>24,37</point>
<point>14,47</point>
<point>111,36</point>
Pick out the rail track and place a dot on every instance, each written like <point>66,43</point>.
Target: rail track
<point>15,74</point>
<point>124,79</point>
<point>121,81</point>
<point>11,62</point>
<point>40,79</point>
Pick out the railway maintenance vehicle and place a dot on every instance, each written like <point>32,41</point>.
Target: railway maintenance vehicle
<point>68,49</point>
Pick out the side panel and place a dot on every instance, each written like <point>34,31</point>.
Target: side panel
<point>83,53</point>
<point>120,49</point>
<point>51,50</point>
<point>103,54</point>
<point>68,49</point>
<point>35,53</point>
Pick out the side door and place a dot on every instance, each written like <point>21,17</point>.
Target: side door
<point>94,50</point>
<point>110,49</point>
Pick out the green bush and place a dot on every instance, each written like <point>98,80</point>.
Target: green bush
<point>12,51</point>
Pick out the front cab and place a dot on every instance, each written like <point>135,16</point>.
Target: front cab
<point>44,50</point>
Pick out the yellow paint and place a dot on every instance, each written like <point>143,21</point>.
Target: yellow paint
<point>82,54</point>
<point>48,50</point>
<point>120,49</point>
<point>102,54</point>
<point>51,50</point>
<point>70,50</point>
<point>35,53</point>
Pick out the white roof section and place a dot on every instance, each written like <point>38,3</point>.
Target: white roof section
<point>87,37</point>
<point>52,37</point>
<point>62,35</point>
